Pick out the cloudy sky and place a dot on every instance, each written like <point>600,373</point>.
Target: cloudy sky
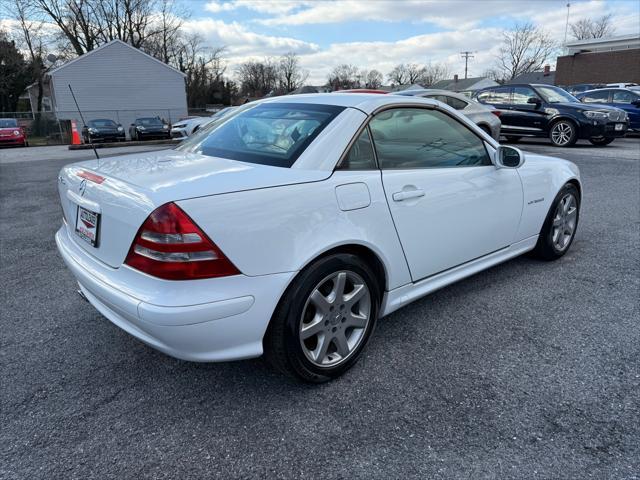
<point>381,33</point>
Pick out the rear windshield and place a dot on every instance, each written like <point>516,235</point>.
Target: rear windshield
<point>8,122</point>
<point>268,134</point>
<point>149,122</point>
<point>102,123</point>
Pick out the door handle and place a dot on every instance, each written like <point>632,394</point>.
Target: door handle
<point>407,195</point>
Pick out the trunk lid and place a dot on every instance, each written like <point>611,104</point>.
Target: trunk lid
<point>124,190</point>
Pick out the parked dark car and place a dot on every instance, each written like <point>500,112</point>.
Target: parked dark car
<point>528,110</point>
<point>623,98</point>
<point>582,87</point>
<point>103,130</point>
<point>11,133</point>
<point>149,127</point>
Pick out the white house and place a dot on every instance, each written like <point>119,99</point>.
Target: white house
<point>115,81</point>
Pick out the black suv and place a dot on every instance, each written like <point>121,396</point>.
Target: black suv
<point>547,111</point>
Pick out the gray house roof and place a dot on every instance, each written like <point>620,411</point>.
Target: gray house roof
<point>535,77</point>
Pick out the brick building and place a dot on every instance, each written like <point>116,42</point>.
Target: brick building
<point>602,60</point>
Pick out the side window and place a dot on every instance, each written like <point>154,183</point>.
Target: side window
<point>440,98</point>
<point>360,156</point>
<point>521,95</point>
<point>620,96</point>
<point>456,103</point>
<point>601,96</point>
<point>499,95</point>
<point>418,138</point>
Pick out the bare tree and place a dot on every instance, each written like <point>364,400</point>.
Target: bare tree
<point>258,78</point>
<point>586,28</point>
<point>415,73</point>
<point>344,77</point>
<point>372,78</point>
<point>524,49</point>
<point>433,73</point>
<point>399,75</point>
<point>290,75</point>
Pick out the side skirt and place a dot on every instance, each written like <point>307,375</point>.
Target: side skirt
<point>401,296</point>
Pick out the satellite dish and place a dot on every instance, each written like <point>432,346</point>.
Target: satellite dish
<point>52,58</point>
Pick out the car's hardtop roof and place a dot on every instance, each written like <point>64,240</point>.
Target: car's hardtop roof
<point>607,89</point>
<point>434,91</point>
<point>366,102</point>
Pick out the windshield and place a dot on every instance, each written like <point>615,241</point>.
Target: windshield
<point>102,123</point>
<point>149,122</point>
<point>8,123</point>
<point>556,95</point>
<point>267,133</point>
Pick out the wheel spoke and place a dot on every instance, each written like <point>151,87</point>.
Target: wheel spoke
<point>352,298</point>
<point>339,281</point>
<point>356,320</point>
<point>342,346</point>
<point>311,329</point>
<point>321,302</point>
<point>321,350</point>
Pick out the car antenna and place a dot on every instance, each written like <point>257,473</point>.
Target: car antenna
<point>83,122</point>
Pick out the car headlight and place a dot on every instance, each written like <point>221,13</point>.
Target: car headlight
<point>551,111</point>
<point>120,129</point>
<point>140,127</point>
<point>93,130</point>
<point>596,115</point>
<point>16,132</point>
<point>166,127</point>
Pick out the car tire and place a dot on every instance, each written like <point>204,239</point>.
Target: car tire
<point>317,333</point>
<point>560,225</point>
<point>601,141</point>
<point>563,133</point>
<point>512,138</point>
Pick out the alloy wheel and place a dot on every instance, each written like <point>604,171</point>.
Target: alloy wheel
<point>335,318</point>
<point>561,133</point>
<point>565,219</point>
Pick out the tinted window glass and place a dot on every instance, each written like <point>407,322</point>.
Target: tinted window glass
<point>149,122</point>
<point>267,133</point>
<point>521,95</point>
<point>360,156</point>
<point>8,122</point>
<point>456,103</point>
<point>102,123</point>
<point>498,95</point>
<point>596,97</point>
<point>620,96</point>
<point>419,138</point>
<point>440,98</point>
<point>553,94</point>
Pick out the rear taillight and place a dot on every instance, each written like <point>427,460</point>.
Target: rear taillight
<point>170,245</point>
<point>497,113</point>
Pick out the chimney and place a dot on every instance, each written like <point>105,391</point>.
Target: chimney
<point>547,70</point>
<point>455,78</point>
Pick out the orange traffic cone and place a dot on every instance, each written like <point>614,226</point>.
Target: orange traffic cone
<point>75,136</point>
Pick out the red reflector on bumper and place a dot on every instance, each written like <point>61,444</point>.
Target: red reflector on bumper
<point>92,177</point>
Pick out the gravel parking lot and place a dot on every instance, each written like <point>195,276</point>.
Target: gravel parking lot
<point>529,370</point>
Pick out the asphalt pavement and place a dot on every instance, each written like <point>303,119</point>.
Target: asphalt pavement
<point>530,370</point>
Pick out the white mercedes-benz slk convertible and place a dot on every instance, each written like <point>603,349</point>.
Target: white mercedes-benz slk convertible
<point>292,225</point>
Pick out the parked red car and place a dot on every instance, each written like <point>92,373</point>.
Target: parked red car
<point>11,133</point>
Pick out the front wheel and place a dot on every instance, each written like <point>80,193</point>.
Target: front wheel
<point>563,133</point>
<point>601,141</point>
<point>325,319</point>
<point>559,228</point>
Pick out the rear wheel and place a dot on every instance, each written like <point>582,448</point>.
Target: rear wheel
<point>559,228</point>
<point>601,141</point>
<point>563,133</point>
<point>513,139</point>
<point>324,320</point>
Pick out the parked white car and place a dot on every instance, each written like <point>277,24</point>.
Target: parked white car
<point>187,127</point>
<point>293,226</point>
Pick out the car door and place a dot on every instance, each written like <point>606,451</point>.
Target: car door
<point>530,117</point>
<point>449,203</point>
<point>500,98</point>
<point>630,102</point>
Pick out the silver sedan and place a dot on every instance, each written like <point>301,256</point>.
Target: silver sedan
<point>476,112</point>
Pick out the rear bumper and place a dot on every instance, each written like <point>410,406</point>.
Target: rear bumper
<point>172,316</point>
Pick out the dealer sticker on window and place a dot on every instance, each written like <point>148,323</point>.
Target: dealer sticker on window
<point>87,223</point>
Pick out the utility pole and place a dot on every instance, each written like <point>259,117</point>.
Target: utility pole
<point>466,55</point>
<point>566,26</point>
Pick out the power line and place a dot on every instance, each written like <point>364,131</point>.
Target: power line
<point>466,55</point>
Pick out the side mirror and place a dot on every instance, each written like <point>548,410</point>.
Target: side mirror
<point>636,102</point>
<point>508,157</point>
<point>534,101</point>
